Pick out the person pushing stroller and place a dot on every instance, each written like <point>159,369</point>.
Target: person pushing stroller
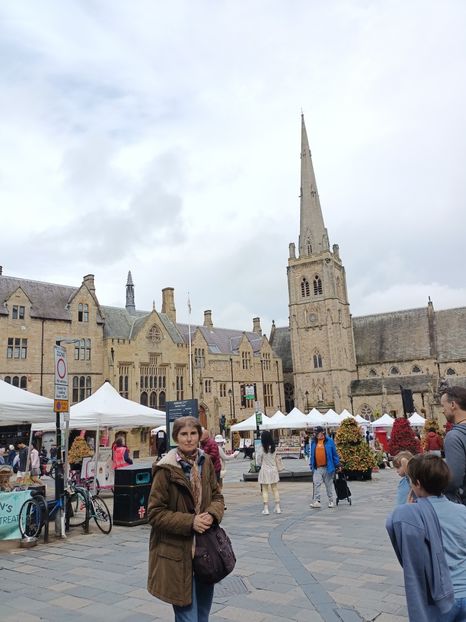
<point>323,463</point>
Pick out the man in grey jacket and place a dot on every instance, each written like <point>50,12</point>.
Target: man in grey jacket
<point>453,402</point>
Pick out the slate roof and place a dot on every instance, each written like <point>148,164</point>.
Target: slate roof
<point>397,336</point>
<point>223,340</point>
<point>451,334</point>
<point>374,386</point>
<point>280,341</point>
<point>48,300</point>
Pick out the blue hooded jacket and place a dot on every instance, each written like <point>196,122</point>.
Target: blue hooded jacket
<point>415,533</point>
<point>333,461</point>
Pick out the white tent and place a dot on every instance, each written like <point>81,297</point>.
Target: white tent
<point>106,408</point>
<point>331,418</point>
<point>315,418</point>
<point>295,420</point>
<point>250,424</point>
<point>361,420</point>
<point>345,414</point>
<point>383,422</point>
<point>19,406</point>
<point>277,420</point>
<point>416,420</point>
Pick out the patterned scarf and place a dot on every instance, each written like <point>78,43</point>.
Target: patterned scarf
<point>194,476</point>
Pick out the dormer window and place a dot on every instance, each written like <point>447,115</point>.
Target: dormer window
<point>83,312</point>
<point>17,312</point>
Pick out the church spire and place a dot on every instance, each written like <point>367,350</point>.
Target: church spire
<point>313,237</point>
<point>130,307</point>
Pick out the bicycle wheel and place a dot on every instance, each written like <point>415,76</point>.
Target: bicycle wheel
<point>30,519</point>
<point>76,508</point>
<point>101,515</point>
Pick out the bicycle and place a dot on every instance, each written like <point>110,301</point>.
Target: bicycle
<point>80,507</point>
<point>85,505</point>
<point>84,482</point>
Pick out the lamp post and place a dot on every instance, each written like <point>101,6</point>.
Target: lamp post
<point>306,393</point>
<point>278,387</point>
<point>263,386</point>
<point>230,395</point>
<point>232,385</point>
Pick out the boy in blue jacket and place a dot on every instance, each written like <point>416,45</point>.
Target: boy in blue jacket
<point>429,539</point>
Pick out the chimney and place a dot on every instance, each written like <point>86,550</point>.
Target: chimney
<point>168,303</point>
<point>208,319</point>
<point>256,326</point>
<point>88,281</point>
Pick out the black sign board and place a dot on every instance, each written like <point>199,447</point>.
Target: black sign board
<point>180,408</point>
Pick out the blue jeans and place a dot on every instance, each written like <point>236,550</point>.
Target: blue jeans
<point>458,612</point>
<point>199,609</point>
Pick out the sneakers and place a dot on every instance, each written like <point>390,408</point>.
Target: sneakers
<point>277,509</point>
<point>331,504</point>
<point>265,510</point>
<point>315,504</point>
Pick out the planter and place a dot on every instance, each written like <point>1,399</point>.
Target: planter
<point>358,475</point>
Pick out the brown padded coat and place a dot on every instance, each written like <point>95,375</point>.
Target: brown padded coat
<point>170,575</point>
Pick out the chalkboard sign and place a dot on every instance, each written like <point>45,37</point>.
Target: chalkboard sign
<point>175,410</point>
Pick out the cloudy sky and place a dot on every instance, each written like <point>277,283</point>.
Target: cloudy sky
<point>163,137</point>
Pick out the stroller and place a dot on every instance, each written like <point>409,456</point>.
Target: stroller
<point>341,488</point>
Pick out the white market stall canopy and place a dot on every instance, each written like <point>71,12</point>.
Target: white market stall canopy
<point>19,406</point>
<point>416,420</point>
<point>295,420</point>
<point>383,422</point>
<point>331,419</point>
<point>315,418</point>
<point>345,414</point>
<point>361,420</point>
<point>106,408</point>
<point>250,424</point>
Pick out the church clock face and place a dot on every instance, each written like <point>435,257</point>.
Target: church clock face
<point>312,318</point>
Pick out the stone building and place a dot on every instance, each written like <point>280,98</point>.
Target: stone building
<point>331,360</point>
<point>144,354</point>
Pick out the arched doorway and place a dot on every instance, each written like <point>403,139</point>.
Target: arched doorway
<point>203,417</point>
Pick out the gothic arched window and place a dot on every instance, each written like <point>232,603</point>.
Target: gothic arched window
<point>305,289</point>
<point>154,334</point>
<point>450,372</point>
<point>317,285</point>
<point>366,411</point>
<point>309,246</point>
<point>317,358</point>
<point>394,371</point>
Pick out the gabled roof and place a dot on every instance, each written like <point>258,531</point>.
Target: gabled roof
<point>374,386</point>
<point>223,340</point>
<point>48,300</point>
<point>119,324</point>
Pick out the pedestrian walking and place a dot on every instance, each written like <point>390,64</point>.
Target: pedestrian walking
<point>211,448</point>
<point>429,539</point>
<point>453,402</point>
<point>35,465</point>
<point>183,478</point>
<point>11,455</point>
<point>323,463</point>
<point>433,442</point>
<point>22,462</point>
<point>224,457</point>
<point>268,474</point>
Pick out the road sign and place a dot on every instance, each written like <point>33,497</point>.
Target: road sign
<point>60,406</point>
<point>258,418</point>
<point>61,375</point>
<point>179,408</point>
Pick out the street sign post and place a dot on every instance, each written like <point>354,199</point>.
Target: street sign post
<point>176,409</point>
<point>60,406</point>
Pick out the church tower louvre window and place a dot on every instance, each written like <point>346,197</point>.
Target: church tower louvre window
<point>317,360</point>
<point>305,289</point>
<point>317,285</point>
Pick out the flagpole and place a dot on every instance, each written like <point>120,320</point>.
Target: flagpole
<point>190,349</point>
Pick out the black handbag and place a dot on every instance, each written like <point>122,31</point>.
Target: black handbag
<point>214,557</point>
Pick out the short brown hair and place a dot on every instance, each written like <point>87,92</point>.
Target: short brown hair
<point>456,394</point>
<point>430,471</point>
<point>407,455</point>
<point>181,422</point>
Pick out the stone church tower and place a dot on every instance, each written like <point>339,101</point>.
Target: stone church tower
<point>322,344</point>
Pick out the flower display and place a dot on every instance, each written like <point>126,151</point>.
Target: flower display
<point>355,453</point>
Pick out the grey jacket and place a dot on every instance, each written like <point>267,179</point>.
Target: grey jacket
<point>455,456</point>
<point>415,534</point>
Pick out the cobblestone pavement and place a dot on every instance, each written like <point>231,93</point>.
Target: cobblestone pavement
<point>303,565</point>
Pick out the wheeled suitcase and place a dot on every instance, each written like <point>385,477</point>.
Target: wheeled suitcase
<point>341,488</point>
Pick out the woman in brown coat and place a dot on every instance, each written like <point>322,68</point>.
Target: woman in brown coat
<point>185,477</point>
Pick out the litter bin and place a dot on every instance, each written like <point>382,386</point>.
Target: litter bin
<point>131,494</point>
